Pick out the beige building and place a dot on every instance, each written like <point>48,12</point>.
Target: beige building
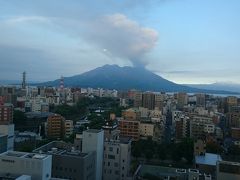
<point>197,126</point>
<point>233,119</point>
<point>159,101</point>
<point>131,114</point>
<point>68,128</point>
<point>199,147</point>
<point>232,101</point>
<point>146,129</point>
<point>137,99</point>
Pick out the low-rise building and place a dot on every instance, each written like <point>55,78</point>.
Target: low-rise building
<point>227,170</point>
<point>36,165</point>
<point>69,163</point>
<point>207,162</point>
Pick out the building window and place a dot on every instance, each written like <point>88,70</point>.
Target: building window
<point>111,156</point>
<point>115,164</point>
<point>111,149</point>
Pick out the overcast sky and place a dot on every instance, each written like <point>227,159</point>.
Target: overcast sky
<point>186,41</point>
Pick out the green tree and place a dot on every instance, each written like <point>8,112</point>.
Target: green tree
<point>136,150</point>
<point>186,147</point>
<point>161,152</point>
<point>19,119</point>
<point>213,147</point>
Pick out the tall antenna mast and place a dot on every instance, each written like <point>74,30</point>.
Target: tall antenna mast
<point>24,80</point>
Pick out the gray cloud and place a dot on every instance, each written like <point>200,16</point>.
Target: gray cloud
<point>15,59</point>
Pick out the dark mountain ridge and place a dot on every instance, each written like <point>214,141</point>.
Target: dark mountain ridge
<point>125,78</point>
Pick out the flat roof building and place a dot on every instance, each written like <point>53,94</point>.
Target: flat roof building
<point>93,141</point>
<point>69,163</point>
<point>38,166</point>
<point>227,170</point>
<point>3,143</point>
<point>207,163</point>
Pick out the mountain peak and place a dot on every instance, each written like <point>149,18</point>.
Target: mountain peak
<point>123,78</point>
<point>110,66</point>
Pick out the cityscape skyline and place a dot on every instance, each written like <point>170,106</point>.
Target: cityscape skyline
<point>170,38</point>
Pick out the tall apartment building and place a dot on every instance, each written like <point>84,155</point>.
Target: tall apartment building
<point>129,125</point>
<point>137,99</point>
<point>117,154</point>
<point>182,99</point>
<point>68,163</point>
<point>182,128</point>
<point>159,101</point>
<point>6,124</point>
<point>55,126</point>
<point>6,114</point>
<point>230,102</point>
<point>117,158</point>
<point>198,125</point>
<point>9,94</point>
<point>233,119</point>
<point>38,166</point>
<point>148,100</point>
<point>93,141</point>
<point>68,128</point>
<point>129,128</point>
<point>200,100</point>
<point>175,116</point>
